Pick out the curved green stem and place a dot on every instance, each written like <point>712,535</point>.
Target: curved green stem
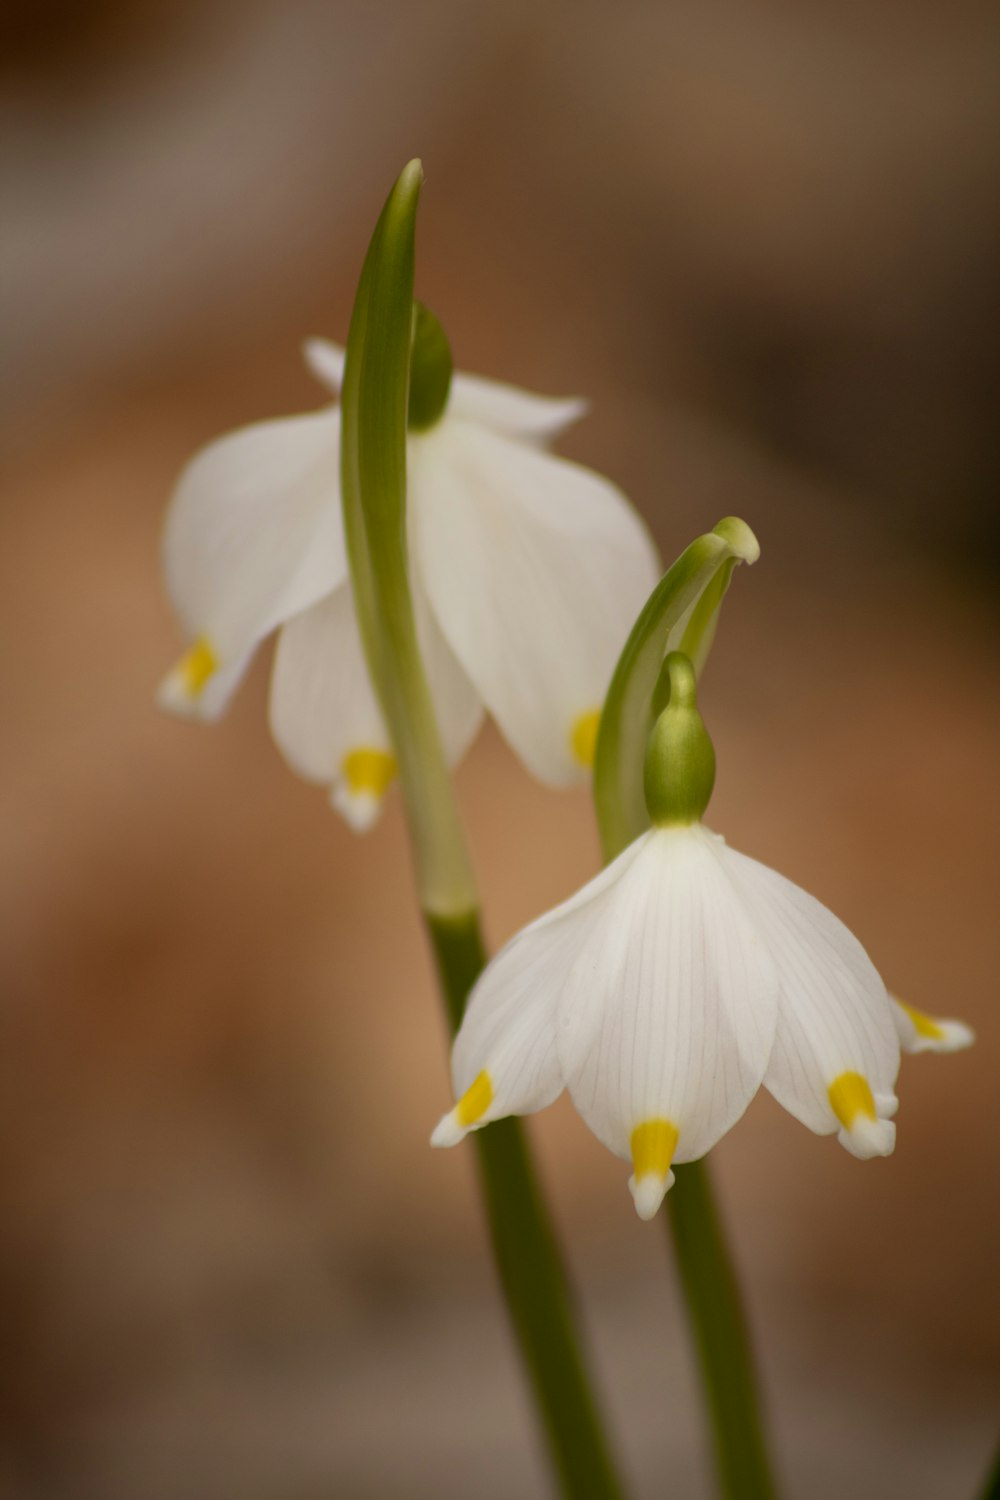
<point>679,615</point>
<point>373,482</point>
<point>682,612</point>
<point>528,1257</point>
<point>373,475</point>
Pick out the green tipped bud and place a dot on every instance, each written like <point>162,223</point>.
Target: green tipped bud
<point>679,771</point>
<point>430,371</point>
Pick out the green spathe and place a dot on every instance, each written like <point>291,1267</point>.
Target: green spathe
<point>374,404</point>
<point>431,367</point>
<point>680,614</point>
<point>679,770</point>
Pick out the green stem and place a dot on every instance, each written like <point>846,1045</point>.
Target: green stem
<point>721,1335</point>
<point>528,1258</point>
<point>373,476</point>
<point>682,612</point>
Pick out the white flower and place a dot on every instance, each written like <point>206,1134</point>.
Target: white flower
<point>665,993</point>
<point>527,572</point>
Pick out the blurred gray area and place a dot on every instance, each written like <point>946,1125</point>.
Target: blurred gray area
<point>763,239</point>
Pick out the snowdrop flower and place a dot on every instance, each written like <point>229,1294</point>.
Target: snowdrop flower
<point>673,985</point>
<point>527,572</point>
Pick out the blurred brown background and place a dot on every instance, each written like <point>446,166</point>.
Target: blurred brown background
<point>763,238</point>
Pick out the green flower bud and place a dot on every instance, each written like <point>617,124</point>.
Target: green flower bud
<point>430,371</point>
<point>679,771</point>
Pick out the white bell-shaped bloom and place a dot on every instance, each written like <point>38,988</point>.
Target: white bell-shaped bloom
<point>663,995</point>
<point>527,573</point>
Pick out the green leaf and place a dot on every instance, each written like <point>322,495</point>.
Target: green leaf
<point>374,402</point>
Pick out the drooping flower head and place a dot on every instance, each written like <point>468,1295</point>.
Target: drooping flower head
<point>526,569</point>
<point>673,985</point>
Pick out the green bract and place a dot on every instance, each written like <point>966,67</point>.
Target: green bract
<point>680,614</point>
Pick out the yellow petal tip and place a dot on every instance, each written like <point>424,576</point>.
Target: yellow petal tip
<point>932,1034</point>
<point>583,737</point>
<point>368,772</point>
<point>182,690</point>
<point>467,1114</point>
<point>850,1096</point>
<point>652,1144</point>
<point>865,1132</point>
<point>195,667</point>
<point>475,1101</point>
<point>925,1026</point>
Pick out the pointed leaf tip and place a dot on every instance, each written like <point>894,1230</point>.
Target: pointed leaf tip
<point>411,177</point>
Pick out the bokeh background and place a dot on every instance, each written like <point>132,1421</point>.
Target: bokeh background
<point>763,239</point>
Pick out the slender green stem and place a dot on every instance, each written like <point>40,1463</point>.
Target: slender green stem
<point>721,1335</point>
<point>528,1257</point>
<point>682,611</point>
<point>373,477</point>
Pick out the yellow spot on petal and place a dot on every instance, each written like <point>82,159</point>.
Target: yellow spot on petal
<point>196,666</point>
<point>475,1101</point>
<point>653,1144</point>
<point>583,737</point>
<point>924,1025</point>
<point>368,772</point>
<point>850,1095</point>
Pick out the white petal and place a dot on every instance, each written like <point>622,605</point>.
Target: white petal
<point>648,1192</point>
<point>536,569</point>
<point>918,1032</point>
<point>324,714</point>
<point>206,701</point>
<point>322,706</point>
<point>670,1011</point>
<point>834,1016</point>
<point>326,361</point>
<point>508,1031</point>
<point>868,1138</point>
<point>507,1038</point>
<point>504,408</point>
<point>253,534</point>
<point>457,705</point>
<point>510,411</point>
